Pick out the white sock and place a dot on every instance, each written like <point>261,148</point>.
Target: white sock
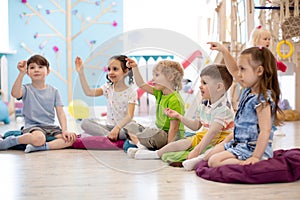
<point>191,163</point>
<point>31,148</point>
<point>131,152</point>
<point>142,154</point>
<point>140,146</point>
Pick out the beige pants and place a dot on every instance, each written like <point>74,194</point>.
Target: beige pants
<point>152,138</point>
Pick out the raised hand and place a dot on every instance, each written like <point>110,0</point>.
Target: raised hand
<point>22,66</point>
<point>130,63</point>
<point>217,46</point>
<point>78,64</point>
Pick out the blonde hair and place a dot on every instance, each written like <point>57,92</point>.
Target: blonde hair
<point>256,34</point>
<point>171,68</point>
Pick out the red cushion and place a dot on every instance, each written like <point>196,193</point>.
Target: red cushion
<point>97,142</point>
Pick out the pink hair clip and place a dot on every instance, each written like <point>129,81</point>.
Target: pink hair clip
<point>260,48</point>
<point>259,27</point>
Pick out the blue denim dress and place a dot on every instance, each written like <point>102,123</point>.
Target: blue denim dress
<point>246,127</point>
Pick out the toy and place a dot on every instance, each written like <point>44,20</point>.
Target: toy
<point>78,109</point>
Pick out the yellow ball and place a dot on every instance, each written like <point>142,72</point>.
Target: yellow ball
<point>79,109</point>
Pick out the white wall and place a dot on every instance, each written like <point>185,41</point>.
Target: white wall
<point>4,39</point>
<point>185,17</point>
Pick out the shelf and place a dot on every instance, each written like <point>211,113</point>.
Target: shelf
<point>8,51</point>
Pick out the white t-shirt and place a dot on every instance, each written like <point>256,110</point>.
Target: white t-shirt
<point>117,102</point>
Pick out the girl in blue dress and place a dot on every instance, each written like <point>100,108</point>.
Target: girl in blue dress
<point>251,140</point>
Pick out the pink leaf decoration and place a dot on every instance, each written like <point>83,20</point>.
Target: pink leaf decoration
<point>114,23</point>
<point>55,49</point>
<point>24,1</point>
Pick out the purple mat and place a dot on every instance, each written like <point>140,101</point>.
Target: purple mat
<point>97,142</point>
<point>283,167</point>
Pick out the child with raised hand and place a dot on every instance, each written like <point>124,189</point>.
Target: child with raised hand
<point>252,138</point>
<point>167,81</point>
<point>121,99</point>
<point>40,101</point>
<point>215,115</point>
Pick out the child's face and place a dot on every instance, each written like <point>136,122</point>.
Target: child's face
<point>115,72</point>
<point>208,87</point>
<point>37,72</point>
<point>248,75</point>
<point>160,81</point>
<point>264,39</point>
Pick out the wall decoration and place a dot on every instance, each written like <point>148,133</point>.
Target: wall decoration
<point>60,31</point>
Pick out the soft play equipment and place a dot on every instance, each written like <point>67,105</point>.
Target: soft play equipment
<point>97,143</point>
<point>283,167</point>
<point>4,116</point>
<point>79,109</point>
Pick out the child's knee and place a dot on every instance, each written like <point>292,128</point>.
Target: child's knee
<point>212,162</point>
<point>38,138</point>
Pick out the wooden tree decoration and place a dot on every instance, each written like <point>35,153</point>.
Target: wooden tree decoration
<point>68,39</point>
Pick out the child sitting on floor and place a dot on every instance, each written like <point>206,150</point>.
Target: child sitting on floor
<point>40,102</point>
<point>167,81</point>
<point>121,99</point>
<point>251,140</point>
<point>215,115</point>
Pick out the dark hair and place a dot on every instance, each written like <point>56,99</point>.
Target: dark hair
<point>122,59</point>
<point>261,56</point>
<point>38,59</point>
<point>218,72</point>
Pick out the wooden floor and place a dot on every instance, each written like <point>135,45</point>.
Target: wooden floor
<point>87,174</point>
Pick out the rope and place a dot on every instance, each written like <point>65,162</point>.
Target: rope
<point>296,8</point>
<point>287,9</point>
<point>281,16</point>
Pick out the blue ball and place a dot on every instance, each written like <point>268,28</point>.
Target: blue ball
<point>4,116</point>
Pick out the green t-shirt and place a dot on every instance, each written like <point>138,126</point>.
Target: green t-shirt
<point>173,101</point>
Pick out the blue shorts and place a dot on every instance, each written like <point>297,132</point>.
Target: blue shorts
<point>244,151</point>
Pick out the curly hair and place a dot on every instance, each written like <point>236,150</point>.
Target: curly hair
<point>171,68</point>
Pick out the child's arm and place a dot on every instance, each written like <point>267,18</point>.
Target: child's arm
<point>61,116</point>
<point>174,127</point>
<point>115,131</point>
<point>16,90</point>
<point>264,122</point>
<point>229,60</point>
<point>138,77</point>
<point>193,124</point>
<point>213,130</point>
<point>86,89</point>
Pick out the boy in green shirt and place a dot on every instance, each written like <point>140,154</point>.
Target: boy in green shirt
<point>167,81</point>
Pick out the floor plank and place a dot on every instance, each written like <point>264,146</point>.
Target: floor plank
<point>91,174</point>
